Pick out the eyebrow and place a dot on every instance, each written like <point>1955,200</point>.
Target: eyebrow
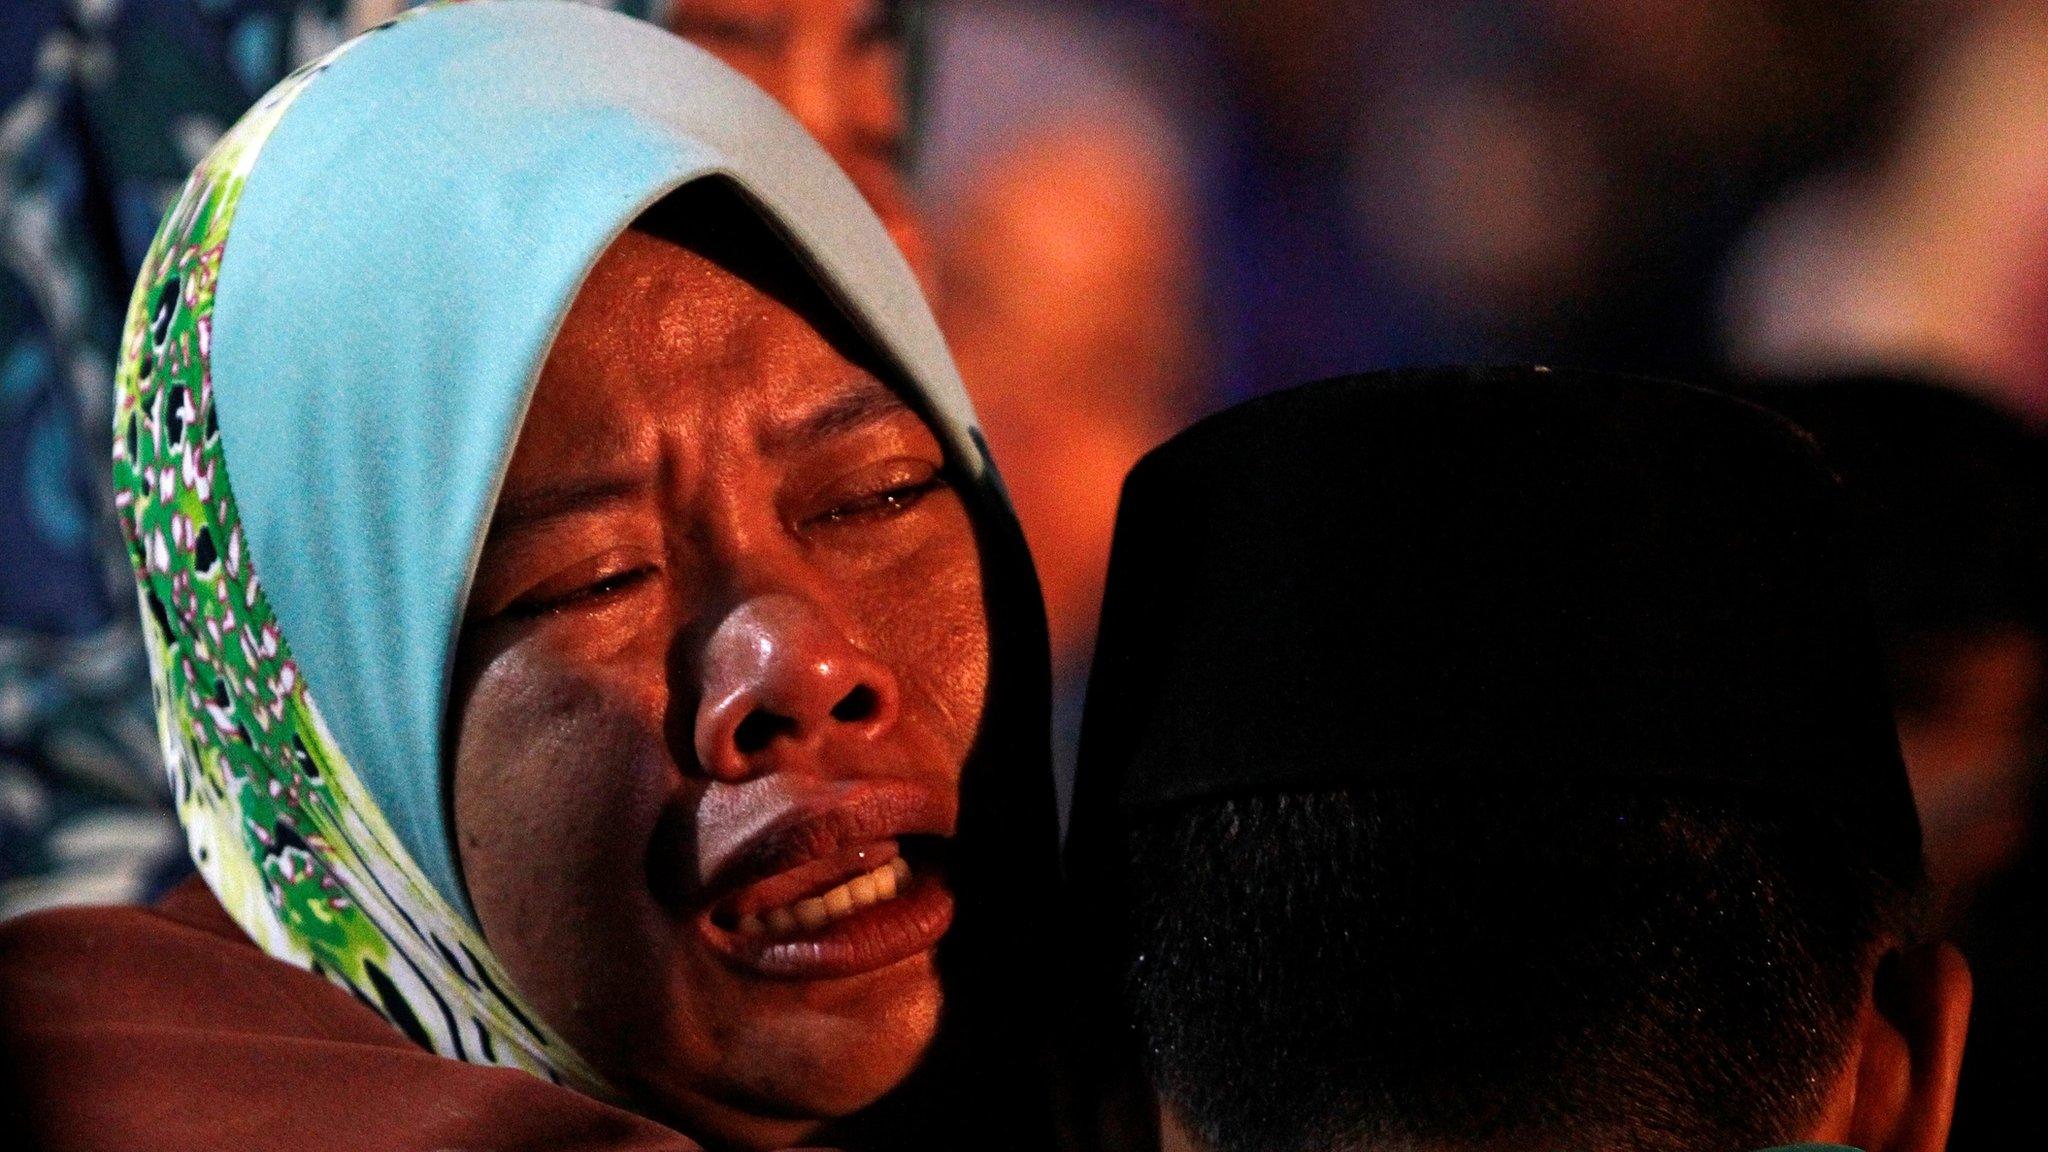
<point>863,401</point>
<point>551,502</point>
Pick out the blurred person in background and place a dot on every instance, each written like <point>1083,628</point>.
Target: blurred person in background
<point>1931,254</point>
<point>1952,491</point>
<point>1059,184</point>
<point>1410,181</point>
<point>843,68</point>
<point>1567,180</point>
<point>1300,276</point>
<point>1702,114</point>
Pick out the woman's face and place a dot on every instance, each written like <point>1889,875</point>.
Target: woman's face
<point>724,657</point>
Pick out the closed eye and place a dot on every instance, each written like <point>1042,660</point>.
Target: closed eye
<point>891,501</point>
<point>548,603</point>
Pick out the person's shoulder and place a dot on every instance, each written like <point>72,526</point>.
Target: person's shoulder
<point>187,908</point>
<point>167,1028</point>
<point>57,945</point>
<point>181,963</point>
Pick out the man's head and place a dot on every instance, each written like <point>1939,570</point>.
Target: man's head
<point>1501,759</point>
<point>725,656</point>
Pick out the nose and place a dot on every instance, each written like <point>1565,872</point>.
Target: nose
<point>782,687</point>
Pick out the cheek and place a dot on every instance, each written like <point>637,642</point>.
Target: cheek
<point>560,774</point>
<point>541,742</point>
<point>930,622</point>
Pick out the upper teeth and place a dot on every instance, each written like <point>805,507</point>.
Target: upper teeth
<point>814,912</point>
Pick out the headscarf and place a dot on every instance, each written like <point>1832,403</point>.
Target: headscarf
<point>352,301</point>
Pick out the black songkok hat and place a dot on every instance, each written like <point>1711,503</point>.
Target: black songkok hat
<point>1498,577</point>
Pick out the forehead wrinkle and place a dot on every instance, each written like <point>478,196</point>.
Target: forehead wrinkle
<point>860,400</point>
<point>524,511</point>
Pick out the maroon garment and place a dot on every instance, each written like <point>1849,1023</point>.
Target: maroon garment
<point>167,1029</point>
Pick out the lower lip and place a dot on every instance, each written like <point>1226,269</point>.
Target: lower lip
<point>875,937</point>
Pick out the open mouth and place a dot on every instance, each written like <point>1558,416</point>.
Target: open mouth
<point>834,904</point>
<point>829,898</point>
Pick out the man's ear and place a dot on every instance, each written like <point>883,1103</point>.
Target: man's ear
<point>1910,1051</point>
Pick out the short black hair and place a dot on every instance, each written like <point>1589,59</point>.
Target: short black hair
<point>1572,966</point>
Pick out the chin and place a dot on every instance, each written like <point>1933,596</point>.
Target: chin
<point>853,1042</point>
<point>817,1052</point>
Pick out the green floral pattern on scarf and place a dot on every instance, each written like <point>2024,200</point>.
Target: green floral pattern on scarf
<point>278,822</point>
